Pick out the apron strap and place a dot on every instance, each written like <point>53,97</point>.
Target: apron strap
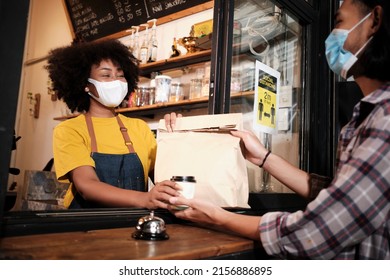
<point>91,133</point>
<point>125,135</point>
<point>122,128</point>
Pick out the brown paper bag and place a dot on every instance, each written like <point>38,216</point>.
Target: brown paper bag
<point>202,146</point>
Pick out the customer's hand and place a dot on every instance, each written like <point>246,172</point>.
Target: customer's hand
<point>159,195</point>
<point>170,121</point>
<point>254,151</point>
<point>199,211</point>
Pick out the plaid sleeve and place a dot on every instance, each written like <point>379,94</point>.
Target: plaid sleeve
<point>354,208</point>
<point>316,184</point>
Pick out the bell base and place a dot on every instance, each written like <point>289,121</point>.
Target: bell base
<point>150,236</point>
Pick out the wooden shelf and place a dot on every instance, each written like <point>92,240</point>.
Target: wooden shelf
<point>166,64</point>
<point>201,102</point>
<point>175,62</point>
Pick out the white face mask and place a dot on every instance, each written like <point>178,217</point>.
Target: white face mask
<point>111,94</point>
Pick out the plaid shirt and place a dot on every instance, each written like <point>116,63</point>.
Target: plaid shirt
<point>350,217</point>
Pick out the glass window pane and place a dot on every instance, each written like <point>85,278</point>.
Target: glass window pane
<point>263,32</point>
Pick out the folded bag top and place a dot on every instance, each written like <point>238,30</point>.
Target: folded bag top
<point>206,122</point>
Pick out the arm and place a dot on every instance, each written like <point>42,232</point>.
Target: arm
<point>291,176</point>
<point>91,188</point>
<point>350,217</point>
<point>207,213</point>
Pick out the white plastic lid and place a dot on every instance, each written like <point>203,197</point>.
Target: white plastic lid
<point>163,77</point>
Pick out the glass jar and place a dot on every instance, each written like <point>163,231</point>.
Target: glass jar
<point>177,92</point>
<point>142,96</point>
<point>132,99</point>
<point>152,95</point>
<point>248,80</point>
<point>196,88</point>
<point>205,87</point>
<point>235,84</point>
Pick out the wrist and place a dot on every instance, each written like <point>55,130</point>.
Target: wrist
<point>146,200</point>
<point>221,217</point>
<point>261,165</point>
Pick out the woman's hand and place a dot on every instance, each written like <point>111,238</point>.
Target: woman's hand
<point>170,121</point>
<point>254,151</point>
<point>199,211</point>
<point>211,215</point>
<point>291,176</point>
<point>159,195</point>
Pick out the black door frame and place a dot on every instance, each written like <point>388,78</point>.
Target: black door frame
<point>317,133</point>
<point>13,25</point>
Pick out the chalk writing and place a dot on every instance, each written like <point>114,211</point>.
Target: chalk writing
<point>94,19</point>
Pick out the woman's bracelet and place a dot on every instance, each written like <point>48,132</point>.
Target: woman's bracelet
<point>265,158</point>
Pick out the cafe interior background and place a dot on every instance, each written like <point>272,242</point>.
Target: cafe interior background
<point>287,36</point>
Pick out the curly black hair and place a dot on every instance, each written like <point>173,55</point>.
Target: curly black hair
<point>375,60</point>
<point>70,67</point>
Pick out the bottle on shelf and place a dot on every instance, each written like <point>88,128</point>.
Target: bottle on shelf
<point>131,41</point>
<point>153,44</point>
<point>144,50</point>
<point>175,51</point>
<point>136,42</point>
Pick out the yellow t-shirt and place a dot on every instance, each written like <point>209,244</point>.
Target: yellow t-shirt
<point>72,144</point>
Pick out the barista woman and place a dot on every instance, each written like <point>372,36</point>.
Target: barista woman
<point>106,156</point>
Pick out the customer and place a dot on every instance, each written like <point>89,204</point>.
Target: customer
<point>348,217</point>
<point>106,156</point>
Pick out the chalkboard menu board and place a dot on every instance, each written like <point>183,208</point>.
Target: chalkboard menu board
<point>94,19</point>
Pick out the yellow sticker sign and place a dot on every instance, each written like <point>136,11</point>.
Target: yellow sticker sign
<point>266,98</point>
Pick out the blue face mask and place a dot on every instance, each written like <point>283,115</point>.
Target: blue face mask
<point>339,59</point>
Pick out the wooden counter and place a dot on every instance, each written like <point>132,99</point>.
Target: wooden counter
<point>185,242</point>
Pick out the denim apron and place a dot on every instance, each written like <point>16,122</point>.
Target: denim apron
<point>123,171</point>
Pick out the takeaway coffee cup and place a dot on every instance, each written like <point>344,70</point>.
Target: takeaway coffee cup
<point>187,184</point>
